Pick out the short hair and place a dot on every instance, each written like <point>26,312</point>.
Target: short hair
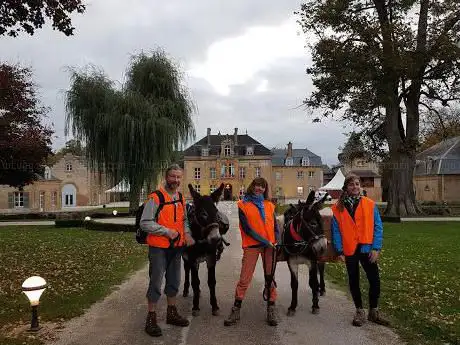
<point>171,168</point>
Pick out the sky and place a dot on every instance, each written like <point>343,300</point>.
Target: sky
<point>243,61</point>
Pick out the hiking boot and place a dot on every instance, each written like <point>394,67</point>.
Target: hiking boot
<point>173,317</point>
<point>234,317</point>
<point>360,318</point>
<point>271,316</point>
<point>375,316</point>
<point>151,326</point>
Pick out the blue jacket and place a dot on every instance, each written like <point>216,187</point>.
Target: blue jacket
<point>365,248</point>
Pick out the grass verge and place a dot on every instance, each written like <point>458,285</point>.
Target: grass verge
<point>80,266</point>
<point>420,271</point>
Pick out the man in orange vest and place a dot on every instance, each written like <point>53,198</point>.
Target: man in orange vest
<point>357,234</point>
<point>259,234</point>
<point>168,231</point>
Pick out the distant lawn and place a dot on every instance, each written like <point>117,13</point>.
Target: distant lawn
<point>420,275</point>
<point>80,266</point>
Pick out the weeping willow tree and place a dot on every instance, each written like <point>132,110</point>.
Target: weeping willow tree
<point>132,132</point>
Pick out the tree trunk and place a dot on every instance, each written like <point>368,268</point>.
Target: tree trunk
<point>134,196</point>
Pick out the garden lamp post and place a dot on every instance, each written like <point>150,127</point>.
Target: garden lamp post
<point>33,288</point>
<point>114,212</point>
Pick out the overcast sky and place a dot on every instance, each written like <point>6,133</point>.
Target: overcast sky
<point>244,61</point>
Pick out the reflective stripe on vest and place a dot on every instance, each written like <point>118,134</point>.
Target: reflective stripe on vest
<point>359,231</point>
<point>255,221</point>
<point>172,217</point>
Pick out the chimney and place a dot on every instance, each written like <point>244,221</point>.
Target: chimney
<point>235,136</point>
<point>289,150</point>
<point>209,136</point>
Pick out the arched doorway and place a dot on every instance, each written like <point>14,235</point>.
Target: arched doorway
<point>69,195</point>
<point>228,195</point>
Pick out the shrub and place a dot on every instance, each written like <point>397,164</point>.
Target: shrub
<point>68,223</point>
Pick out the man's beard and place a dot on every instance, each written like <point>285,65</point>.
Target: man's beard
<point>173,185</point>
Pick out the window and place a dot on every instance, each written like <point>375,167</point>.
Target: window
<point>198,188</point>
<point>300,174</point>
<point>205,152</point>
<point>53,199</point>
<point>289,162</point>
<point>18,199</point>
<point>41,200</point>
<point>197,173</point>
<point>305,161</point>
<point>360,163</point>
<point>311,174</point>
<point>227,150</point>
<point>279,191</point>
<point>69,199</point>
<point>278,176</point>
<point>249,151</point>
<point>242,191</point>
<point>300,191</point>
<point>227,170</point>
<point>47,173</point>
<point>242,172</point>
<point>231,169</point>
<point>212,173</point>
<point>257,171</point>
<point>68,167</point>
<point>212,188</point>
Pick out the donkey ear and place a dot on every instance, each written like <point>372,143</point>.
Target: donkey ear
<point>193,192</point>
<point>311,197</point>
<point>217,193</point>
<point>320,202</point>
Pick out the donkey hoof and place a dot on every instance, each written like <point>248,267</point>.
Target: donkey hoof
<point>315,310</point>
<point>195,312</point>
<point>215,311</point>
<point>322,293</point>
<point>185,293</point>
<point>291,312</point>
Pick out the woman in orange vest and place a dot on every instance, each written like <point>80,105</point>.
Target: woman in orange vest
<point>357,234</point>
<point>259,234</point>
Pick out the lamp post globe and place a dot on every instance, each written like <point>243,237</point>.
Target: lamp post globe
<point>33,288</point>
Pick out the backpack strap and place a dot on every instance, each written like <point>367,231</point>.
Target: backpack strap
<point>161,198</point>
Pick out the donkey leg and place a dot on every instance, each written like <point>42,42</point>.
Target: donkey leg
<point>212,288</point>
<point>322,285</point>
<point>187,278</point>
<point>196,289</point>
<point>314,285</point>
<point>294,270</point>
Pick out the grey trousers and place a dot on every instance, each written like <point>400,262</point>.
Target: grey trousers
<point>164,262</point>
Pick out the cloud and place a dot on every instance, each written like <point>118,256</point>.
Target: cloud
<point>245,63</point>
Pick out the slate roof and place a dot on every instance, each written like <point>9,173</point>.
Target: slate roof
<point>279,157</point>
<point>440,159</point>
<point>243,140</point>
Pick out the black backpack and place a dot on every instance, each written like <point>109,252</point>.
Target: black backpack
<point>141,236</point>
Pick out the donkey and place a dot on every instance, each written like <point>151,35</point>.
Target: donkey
<point>303,242</point>
<point>288,215</point>
<point>207,225</point>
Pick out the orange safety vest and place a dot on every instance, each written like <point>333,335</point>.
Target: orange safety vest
<point>265,229</point>
<point>359,231</point>
<point>171,216</point>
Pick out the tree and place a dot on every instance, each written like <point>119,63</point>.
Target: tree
<point>24,141</point>
<point>131,134</point>
<point>72,146</point>
<point>29,15</point>
<point>439,125</point>
<point>353,148</point>
<point>376,63</point>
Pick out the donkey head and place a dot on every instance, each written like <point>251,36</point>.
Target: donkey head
<point>311,224</point>
<point>205,216</point>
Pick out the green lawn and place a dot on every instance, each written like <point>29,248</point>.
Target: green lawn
<point>420,275</point>
<point>80,266</point>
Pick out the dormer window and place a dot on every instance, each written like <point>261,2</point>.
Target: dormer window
<point>249,151</point>
<point>205,152</point>
<point>289,162</point>
<point>47,174</point>
<point>68,167</point>
<point>305,161</point>
<point>227,150</point>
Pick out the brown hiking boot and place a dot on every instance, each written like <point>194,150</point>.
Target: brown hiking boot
<point>360,318</point>
<point>271,316</point>
<point>375,316</point>
<point>233,318</point>
<point>173,317</point>
<point>151,326</point>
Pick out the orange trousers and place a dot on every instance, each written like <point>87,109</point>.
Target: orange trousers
<point>248,265</point>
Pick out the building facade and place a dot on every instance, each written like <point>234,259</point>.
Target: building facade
<point>236,160</point>
<point>368,172</point>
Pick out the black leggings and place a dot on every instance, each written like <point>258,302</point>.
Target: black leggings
<point>372,273</point>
